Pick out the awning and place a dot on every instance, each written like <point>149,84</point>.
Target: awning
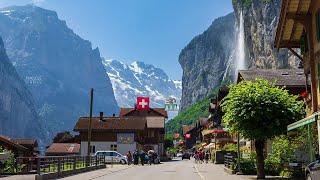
<point>213,131</point>
<point>209,146</point>
<point>206,132</point>
<point>303,122</point>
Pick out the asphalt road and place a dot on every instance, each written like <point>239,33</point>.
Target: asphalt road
<point>173,170</point>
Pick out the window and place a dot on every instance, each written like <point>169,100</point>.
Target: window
<point>318,25</point>
<point>151,133</point>
<point>114,154</point>
<point>100,154</point>
<point>92,149</point>
<point>113,147</point>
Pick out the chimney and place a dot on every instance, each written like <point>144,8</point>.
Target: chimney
<point>101,116</point>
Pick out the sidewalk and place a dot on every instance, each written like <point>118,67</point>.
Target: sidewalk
<point>99,173</point>
<point>20,177</point>
<point>216,171</point>
<point>88,175</point>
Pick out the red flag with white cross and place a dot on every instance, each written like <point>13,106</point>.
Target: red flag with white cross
<point>143,103</point>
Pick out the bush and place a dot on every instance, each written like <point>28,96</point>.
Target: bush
<point>230,147</point>
<point>271,167</point>
<point>247,166</point>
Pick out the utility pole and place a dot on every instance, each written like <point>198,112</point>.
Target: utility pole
<point>90,122</point>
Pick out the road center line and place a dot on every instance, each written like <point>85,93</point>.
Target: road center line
<point>198,172</point>
<point>111,172</point>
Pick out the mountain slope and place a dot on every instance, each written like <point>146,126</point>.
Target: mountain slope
<point>142,79</point>
<point>205,60</point>
<point>58,66</point>
<point>18,116</point>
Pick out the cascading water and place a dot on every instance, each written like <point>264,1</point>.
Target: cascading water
<point>240,63</point>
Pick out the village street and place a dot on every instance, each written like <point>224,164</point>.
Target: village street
<point>173,170</point>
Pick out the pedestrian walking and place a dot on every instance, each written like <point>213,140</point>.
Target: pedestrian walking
<point>201,157</point>
<point>206,157</point>
<point>129,157</point>
<point>135,157</point>
<point>142,157</point>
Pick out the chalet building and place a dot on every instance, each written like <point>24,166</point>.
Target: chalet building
<point>63,149</point>
<point>16,149</point>
<point>215,110</point>
<point>30,144</point>
<point>189,135</point>
<point>299,28</point>
<point>193,133</point>
<point>292,80</point>
<point>133,129</point>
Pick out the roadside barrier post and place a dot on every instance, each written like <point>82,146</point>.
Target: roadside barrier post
<point>96,160</point>
<point>38,165</point>
<point>59,166</point>
<point>74,162</point>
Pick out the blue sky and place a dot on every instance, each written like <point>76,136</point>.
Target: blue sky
<point>153,31</point>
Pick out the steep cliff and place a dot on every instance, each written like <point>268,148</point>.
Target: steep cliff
<point>212,57</point>
<point>260,19</point>
<point>205,60</point>
<point>58,66</point>
<point>18,116</point>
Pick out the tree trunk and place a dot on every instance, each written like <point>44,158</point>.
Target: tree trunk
<point>259,145</point>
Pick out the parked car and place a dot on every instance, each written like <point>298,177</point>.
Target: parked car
<point>186,156</point>
<point>113,157</point>
<point>179,154</point>
<point>313,169</point>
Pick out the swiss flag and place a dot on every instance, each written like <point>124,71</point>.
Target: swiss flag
<point>143,103</point>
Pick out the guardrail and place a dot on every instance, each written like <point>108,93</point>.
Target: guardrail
<point>56,164</point>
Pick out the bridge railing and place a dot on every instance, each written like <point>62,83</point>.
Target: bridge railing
<point>56,164</point>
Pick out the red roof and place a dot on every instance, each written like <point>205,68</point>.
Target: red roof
<point>111,123</point>
<point>31,142</point>
<point>127,111</point>
<point>63,148</point>
<point>8,141</point>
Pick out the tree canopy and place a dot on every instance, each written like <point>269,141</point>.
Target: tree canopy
<point>260,110</point>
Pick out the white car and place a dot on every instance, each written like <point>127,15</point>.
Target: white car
<point>179,154</point>
<point>113,157</point>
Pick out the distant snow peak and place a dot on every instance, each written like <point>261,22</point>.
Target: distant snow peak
<point>140,79</point>
<point>136,68</point>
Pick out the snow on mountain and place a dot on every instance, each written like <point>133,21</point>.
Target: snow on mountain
<point>140,79</point>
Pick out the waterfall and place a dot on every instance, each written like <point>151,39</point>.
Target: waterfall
<point>240,63</point>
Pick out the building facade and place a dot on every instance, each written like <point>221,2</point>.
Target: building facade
<point>132,130</point>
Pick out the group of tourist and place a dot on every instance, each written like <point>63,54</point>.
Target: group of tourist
<point>142,156</point>
<point>201,156</point>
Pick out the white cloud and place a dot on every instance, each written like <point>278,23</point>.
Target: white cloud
<point>37,2</point>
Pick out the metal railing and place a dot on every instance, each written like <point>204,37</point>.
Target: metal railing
<point>229,159</point>
<point>56,164</point>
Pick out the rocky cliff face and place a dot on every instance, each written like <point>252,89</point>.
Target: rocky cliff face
<point>18,116</point>
<point>58,66</point>
<point>260,18</point>
<point>211,58</point>
<point>205,60</point>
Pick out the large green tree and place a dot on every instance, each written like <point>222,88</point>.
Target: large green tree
<point>259,111</point>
